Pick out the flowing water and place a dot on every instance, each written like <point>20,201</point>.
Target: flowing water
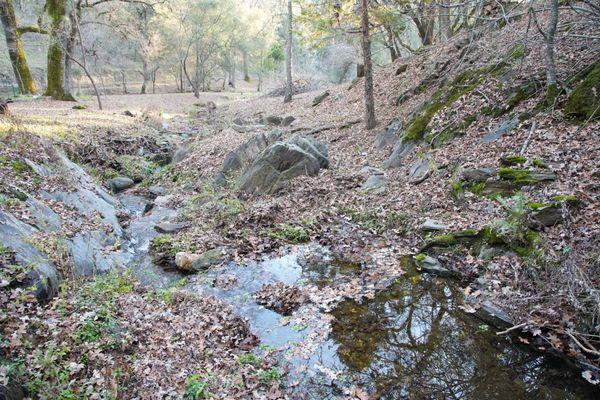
<point>411,341</point>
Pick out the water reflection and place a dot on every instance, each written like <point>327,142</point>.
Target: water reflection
<point>412,342</point>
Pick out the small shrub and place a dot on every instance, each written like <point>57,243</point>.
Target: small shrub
<point>269,375</point>
<point>291,233</point>
<point>196,388</point>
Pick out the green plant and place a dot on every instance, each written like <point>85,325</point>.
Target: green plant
<point>249,359</point>
<point>270,375</point>
<point>291,233</point>
<point>196,388</point>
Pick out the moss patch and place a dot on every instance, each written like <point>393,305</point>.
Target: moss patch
<point>584,101</point>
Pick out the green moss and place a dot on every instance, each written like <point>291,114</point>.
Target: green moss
<point>566,198</point>
<point>584,101</point>
<point>476,188</point>
<point>539,163</point>
<point>513,160</point>
<point>437,139</point>
<point>420,257</point>
<point>456,189</point>
<point>519,176</point>
<point>517,52</point>
<point>537,205</point>
<point>19,167</point>
<point>491,236</point>
<point>291,233</point>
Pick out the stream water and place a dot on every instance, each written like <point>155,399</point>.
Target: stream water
<point>411,341</point>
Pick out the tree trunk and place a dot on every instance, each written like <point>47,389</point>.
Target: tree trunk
<point>245,65</point>
<point>55,87</point>
<point>232,71</point>
<point>146,76</point>
<point>124,82</point>
<point>15,48</point>
<point>444,19</point>
<point>288,57</point>
<point>366,48</point>
<point>551,83</point>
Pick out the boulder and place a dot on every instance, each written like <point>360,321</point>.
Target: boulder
<point>281,162</point>
<point>157,190</point>
<point>318,99</point>
<point>420,169</point>
<point>376,184</point>
<point>247,152</point>
<point>120,183</point>
<point>208,259</point>
<point>401,150</point>
<point>494,315</point>
<point>433,225</point>
<point>546,216</point>
<point>389,137</point>
<point>367,171</point>
<point>185,261</point>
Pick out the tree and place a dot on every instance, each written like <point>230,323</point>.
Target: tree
<point>55,86</point>
<point>366,48</point>
<point>15,48</point>
<point>288,57</point>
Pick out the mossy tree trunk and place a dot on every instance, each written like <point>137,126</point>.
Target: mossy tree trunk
<point>15,48</point>
<point>55,87</point>
<point>551,83</point>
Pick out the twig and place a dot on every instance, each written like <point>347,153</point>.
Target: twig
<point>526,144</point>
<point>512,328</point>
<point>591,351</point>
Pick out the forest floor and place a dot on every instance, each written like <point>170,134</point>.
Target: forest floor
<point>548,285</point>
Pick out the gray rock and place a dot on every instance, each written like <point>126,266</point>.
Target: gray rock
<point>42,274</point>
<point>181,153</point>
<point>287,121</point>
<point>120,183</point>
<point>433,225</point>
<point>277,165</point>
<point>376,184</point>
<point>274,120</point>
<point>367,171</point>
<point>500,130</point>
<point>313,147</point>
<point>433,266</point>
<point>318,99</point>
<point>157,190</point>
<point>170,227</point>
<point>88,252</point>
<point>208,259</point>
<point>247,152</point>
<point>128,113</point>
<point>493,315</point>
<point>547,216</point>
<point>477,174</point>
<point>401,150</point>
<point>420,169</point>
<point>389,137</point>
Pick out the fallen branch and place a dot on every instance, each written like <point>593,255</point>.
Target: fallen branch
<point>512,328</point>
<point>526,144</point>
<point>328,127</point>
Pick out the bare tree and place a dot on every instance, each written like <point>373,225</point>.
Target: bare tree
<point>366,48</point>
<point>549,37</point>
<point>288,57</point>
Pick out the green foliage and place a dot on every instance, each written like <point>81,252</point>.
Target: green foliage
<point>249,359</point>
<point>196,388</point>
<point>517,52</point>
<point>291,233</point>
<point>269,375</point>
<point>377,222</point>
<point>420,257</point>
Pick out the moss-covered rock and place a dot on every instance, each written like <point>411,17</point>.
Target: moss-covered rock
<point>513,160</point>
<point>584,101</point>
<point>522,177</point>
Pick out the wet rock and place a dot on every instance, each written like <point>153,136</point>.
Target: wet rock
<point>318,99</point>
<point>274,120</point>
<point>120,183</point>
<point>401,150</point>
<point>500,130</point>
<point>185,261</point>
<point>494,315</point>
<point>389,137</point>
<point>420,169</point>
<point>376,184</point>
<point>433,225</point>
<point>433,266</point>
<point>477,174</point>
<point>208,259</point>
<point>287,121</point>
<point>170,227</point>
<point>281,162</point>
